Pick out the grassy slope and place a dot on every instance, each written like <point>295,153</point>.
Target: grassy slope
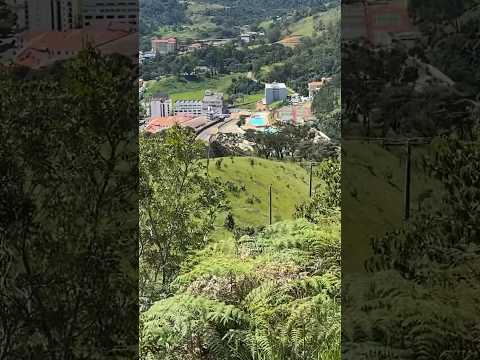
<point>305,26</point>
<point>290,187</point>
<point>371,203</point>
<point>189,90</point>
<point>201,24</point>
<point>249,101</point>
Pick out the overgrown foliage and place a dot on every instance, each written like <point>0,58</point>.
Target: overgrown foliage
<point>419,297</point>
<point>178,206</point>
<point>278,300</point>
<point>326,199</point>
<point>68,193</point>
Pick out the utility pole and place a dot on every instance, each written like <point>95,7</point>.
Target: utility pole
<point>311,179</point>
<point>208,152</point>
<point>407,181</point>
<point>270,204</point>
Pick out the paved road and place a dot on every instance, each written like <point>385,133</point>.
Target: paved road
<point>208,132</point>
<point>222,127</point>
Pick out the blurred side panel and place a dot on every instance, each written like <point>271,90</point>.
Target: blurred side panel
<point>69,179</point>
<point>410,155</point>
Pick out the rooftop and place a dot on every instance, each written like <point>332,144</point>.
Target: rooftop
<point>193,102</point>
<point>159,123</point>
<point>318,83</point>
<point>275,86</point>
<point>210,95</point>
<point>40,49</point>
<point>171,40</point>
<point>160,96</point>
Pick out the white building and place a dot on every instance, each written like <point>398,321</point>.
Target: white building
<point>46,15</point>
<point>161,106</point>
<point>192,107</point>
<point>147,55</point>
<point>248,36</point>
<point>275,92</point>
<point>213,103</point>
<point>95,12</point>
<point>64,15</point>
<point>164,46</point>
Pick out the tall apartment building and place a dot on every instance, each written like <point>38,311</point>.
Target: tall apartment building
<point>160,106</point>
<point>164,46</point>
<point>191,107</point>
<point>213,103</point>
<point>275,92</point>
<point>50,15</point>
<point>378,21</point>
<point>119,11</point>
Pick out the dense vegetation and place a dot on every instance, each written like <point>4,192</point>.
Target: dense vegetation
<point>219,60</point>
<point>259,293</point>
<point>421,284</point>
<point>396,91</point>
<point>212,18</point>
<point>154,13</point>
<point>69,183</point>
<point>417,298</point>
<point>317,56</point>
<point>326,106</point>
<point>7,25</point>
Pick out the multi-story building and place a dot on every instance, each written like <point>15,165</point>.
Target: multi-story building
<point>275,92</point>
<point>379,22</point>
<point>54,15</point>
<point>161,106</point>
<point>164,46</point>
<point>192,107</point>
<point>97,12</point>
<point>213,103</point>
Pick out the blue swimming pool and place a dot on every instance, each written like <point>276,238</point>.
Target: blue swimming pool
<point>257,120</point>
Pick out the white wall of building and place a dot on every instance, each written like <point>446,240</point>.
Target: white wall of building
<point>161,107</point>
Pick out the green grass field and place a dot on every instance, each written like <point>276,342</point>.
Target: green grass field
<point>289,187</point>
<point>373,181</point>
<point>249,101</point>
<point>304,27</point>
<point>189,90</point>
<point>250,206</point>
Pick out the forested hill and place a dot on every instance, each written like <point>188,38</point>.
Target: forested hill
<point>155,13</point>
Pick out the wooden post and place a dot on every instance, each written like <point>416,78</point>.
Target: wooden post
<point>270,202</point>
<point>407,181</point>
<point>311,179</point>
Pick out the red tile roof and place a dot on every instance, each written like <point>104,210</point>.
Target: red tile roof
<point>159,123</point>
<point>165,41</point>
<point>41,49</point>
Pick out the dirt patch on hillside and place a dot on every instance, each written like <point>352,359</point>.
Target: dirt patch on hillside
<point>291,41</point>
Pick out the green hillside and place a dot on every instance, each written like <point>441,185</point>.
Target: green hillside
<point>271,293</point>
<point>373,181</point>
<point>248,193</point>
<point>189,89</point>
<point>250,204</point>
<point>303,27</point>
<point>306,26</point>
